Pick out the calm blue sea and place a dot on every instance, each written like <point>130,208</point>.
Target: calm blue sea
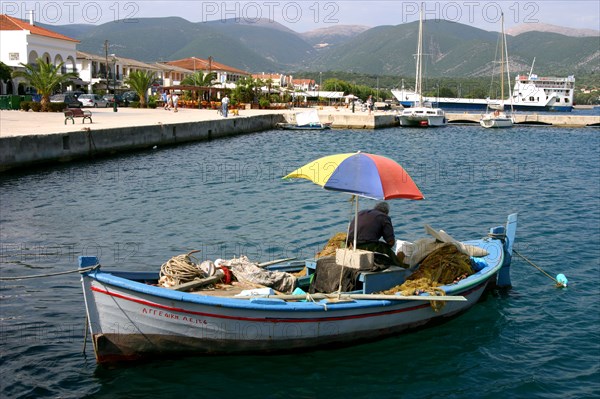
<point>226,198</point>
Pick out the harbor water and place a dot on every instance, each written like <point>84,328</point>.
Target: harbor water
<point>226,198</point>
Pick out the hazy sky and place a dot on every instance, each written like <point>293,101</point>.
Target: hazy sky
<point>303,16</point>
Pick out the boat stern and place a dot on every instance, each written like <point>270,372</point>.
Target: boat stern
<point>507,235</point>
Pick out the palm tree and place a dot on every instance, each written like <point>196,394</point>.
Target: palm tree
<point>5,72</point>
<point>45,77</point>
<point>140,81</point>
<point>199,78</point>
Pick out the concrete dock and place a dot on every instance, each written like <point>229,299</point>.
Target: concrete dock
<point>555,119</point>
<point>33,138</point>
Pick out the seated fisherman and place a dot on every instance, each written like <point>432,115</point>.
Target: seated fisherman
<point>372,225</point>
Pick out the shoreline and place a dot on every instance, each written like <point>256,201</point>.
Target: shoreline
<point>30,139</point>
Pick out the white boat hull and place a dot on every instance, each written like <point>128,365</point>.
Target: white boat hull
<point>491,121</point>
<point>127,325</point>
<point>422,117</point>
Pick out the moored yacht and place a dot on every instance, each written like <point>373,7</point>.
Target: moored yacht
<point>498,117</point>
<point>422,113</point>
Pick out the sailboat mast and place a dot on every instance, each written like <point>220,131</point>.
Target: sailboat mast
<point>503,46</point>
<point>419,57</point>
<point>507,66</point>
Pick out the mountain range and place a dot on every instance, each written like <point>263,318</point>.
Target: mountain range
<point>453,49</point>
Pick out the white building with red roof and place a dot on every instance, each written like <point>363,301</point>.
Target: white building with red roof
<point>277,79</point>
<point>304,84</point>
<point>24,42</point>
<point>226,76</point>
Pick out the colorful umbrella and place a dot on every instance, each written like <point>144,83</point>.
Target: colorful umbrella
<point>362,174</point>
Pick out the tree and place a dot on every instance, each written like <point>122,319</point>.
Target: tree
<point>245,90</point>
<point>140,81</point>
<point>5,72</point>
<point>45,77</point>
<point>199,78</point>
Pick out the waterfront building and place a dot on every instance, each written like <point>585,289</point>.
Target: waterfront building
<point>24,42</point>
<point>226,76</point>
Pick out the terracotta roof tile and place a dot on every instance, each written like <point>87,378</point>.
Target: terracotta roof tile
<point>10,23</point>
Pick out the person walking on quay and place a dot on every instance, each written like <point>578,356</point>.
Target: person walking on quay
<point>164,99</point>
<point>175,100</point>
<point>225,105</point>
<point>370,104</point>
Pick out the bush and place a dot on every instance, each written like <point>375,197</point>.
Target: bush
<point>264,103</point>
<point>35,107</point>
<point>134,104</point>
<point>56,107</point>
<point>25,105</point>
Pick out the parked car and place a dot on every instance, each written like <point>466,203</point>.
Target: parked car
<point>130,96</point>
<point>76,93</point>
<point>69,99</point>
<point>111,99</point>
<point>92,100</point>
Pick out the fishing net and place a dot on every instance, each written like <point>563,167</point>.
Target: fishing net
<point>337,241</point>
<point>445,265</point>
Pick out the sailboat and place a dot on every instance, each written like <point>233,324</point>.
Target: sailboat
<point>421,114</point>
<point>495,116</point>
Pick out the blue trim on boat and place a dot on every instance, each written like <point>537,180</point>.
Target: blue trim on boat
<point>234,303</point>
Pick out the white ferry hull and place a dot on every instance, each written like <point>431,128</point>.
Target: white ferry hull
<point>530,93</point>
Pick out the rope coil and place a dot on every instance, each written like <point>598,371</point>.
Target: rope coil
<point>180,269</point>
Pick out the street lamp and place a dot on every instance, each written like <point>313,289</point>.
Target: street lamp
<point>114,60</point>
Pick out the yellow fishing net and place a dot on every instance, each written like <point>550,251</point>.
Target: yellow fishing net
<point>337,241</point>
<point>445,265</point>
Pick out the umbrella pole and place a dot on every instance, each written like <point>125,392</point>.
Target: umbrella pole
<point>354,246</point>
<point>355,222</point>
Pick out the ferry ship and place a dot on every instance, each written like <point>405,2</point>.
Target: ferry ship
<point>530,93</point>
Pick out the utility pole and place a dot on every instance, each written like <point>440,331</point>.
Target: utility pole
<point>106,69</point>
<point>210,77</point>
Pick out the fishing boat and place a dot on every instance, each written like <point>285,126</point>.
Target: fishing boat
<point>130,317</point>
<point>421,114</point>
<point>306,120</point>
<point>496,116</point>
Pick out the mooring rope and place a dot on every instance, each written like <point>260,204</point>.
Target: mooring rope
<point>558,283</point>
<point>82,270</point>
<point>180,269</point>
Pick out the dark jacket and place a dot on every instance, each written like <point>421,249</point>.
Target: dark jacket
<point>372,225</point>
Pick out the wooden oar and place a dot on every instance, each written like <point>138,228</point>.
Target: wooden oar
<point>198,283</point>
<point>274,262</point>
<point>289,297</point>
